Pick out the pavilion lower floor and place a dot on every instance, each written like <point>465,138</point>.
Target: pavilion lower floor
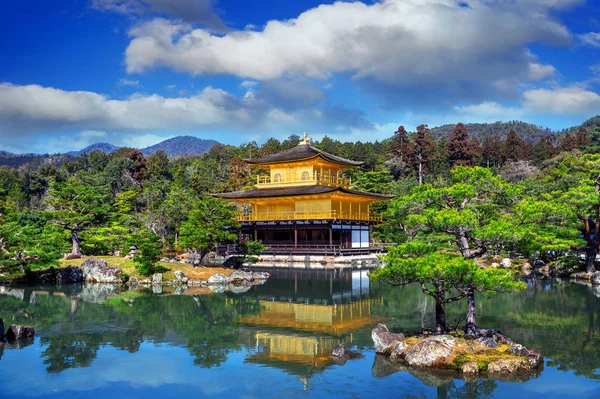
<point>311,237</point>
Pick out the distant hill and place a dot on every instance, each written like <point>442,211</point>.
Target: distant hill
<point>527,131</point>
<point>591,125</point>
<point>177,146</point>
<point>181,145</point>
<point>34,161</point>
<point>104,147</point>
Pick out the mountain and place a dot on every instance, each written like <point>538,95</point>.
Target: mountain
<point>104,147</point>
<point>181,145</point>
<point>527,131</point>
<point>33,161</point>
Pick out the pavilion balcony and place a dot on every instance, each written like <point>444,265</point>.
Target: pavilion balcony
<point>306,179</point>
<point>323,215</point>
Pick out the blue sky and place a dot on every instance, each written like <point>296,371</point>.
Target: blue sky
<point>134,72</point>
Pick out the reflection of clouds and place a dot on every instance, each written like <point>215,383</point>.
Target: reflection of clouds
<point>153,366</point>
<point>561,384</point>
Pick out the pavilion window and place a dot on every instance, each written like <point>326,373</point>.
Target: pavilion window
<point>277,178</point>
<point>305,175</point>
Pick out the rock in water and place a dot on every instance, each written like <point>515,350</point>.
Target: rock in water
<point>431,351</point>
<point>16,332</point>
<point>596,278</point>
<point>384,340</point>
<point>240,276</point>
<point>69,275</point>
<point>157,278</point>
<point>535,357</point>
<point>179,275</point>
<point>260,275</point>
<point>340,351</point>
<point>133,281</point>
<point>98,271</point>
<point>508,366</point>
<point>470,368</point>
<point>399,350</point>
<point>217,279</point>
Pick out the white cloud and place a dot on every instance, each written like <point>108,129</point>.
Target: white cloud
<point>403,42</point>
<point>590,39</point>
<point>36,107</point>
<point>128,82</point>
<point>201,11</point>
<point>248,84</point>
<point>74,119</point>
<point>562,101</point>
<point>488,111</point>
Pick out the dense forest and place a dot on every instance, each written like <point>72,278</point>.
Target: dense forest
<point>101,203</point>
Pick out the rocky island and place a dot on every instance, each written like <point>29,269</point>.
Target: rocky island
<point>492,353</point>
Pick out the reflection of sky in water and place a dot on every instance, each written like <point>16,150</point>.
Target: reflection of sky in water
<point>169,371</point>
<point>286,342</point>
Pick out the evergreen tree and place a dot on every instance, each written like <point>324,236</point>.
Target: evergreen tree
<point>424,151</point>
<point>460,147</point>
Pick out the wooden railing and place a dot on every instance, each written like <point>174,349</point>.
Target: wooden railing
<point>315,178</point>
<point>292,215</point>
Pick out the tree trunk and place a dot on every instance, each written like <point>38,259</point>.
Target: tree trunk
<point>440,307</point>
<point>590,257</point>
<point>75,238</point>
<point>471,329</point>
<point>420,173</point>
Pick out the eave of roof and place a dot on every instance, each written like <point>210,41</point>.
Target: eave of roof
<point>301,152</point>
<point>295,191</point>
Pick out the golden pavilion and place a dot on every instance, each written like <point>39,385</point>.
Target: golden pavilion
<point>306,204</point>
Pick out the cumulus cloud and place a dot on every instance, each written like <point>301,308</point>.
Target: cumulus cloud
<point>562,101</point>
<point>590,39</point>
<point>35,109</point>
<point>404,43</point>
<point>196,11</point>
<point>488,111</point>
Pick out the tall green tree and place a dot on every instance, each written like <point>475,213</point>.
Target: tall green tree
<point>210,222</point>
<point>460,149</point>
<point>424,151</point>
<point>76,207</point>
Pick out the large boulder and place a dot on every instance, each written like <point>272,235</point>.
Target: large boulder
<point>240,277</point>
<point>133,281</point>
<point>157,278</point>
<point>534,357</point>
<point>505,263</point>
<point>470,368</point>
<point>399,350</point>
<point>69,275</point>
<point>179,275</point>
<point>98,271</point>
<point>217,279</point>
<point>431,351</point>
<point>490,342</point>
<point>384,340</point>
<point>504,366</point>
<point>596,278</point>
<point>16,332</point>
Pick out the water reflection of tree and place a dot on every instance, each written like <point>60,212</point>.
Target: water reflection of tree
<point>559,319</point>
<point>207,325</point>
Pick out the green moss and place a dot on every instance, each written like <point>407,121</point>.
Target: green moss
<point>482,359</point>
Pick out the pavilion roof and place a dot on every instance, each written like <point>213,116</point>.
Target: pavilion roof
<point>302,152</point>
<point>295,191</point>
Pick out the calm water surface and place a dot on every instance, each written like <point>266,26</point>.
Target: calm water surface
<point>275,340</point>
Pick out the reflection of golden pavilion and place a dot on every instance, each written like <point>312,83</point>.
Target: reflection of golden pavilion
<point>336,320</point>
<point>309,351</point>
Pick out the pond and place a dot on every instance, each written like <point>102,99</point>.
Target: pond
<point>275,340</point>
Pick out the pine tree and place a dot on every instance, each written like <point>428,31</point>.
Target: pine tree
<point>424,151</point>
<point>460,147</point>
<point>515,148</point>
